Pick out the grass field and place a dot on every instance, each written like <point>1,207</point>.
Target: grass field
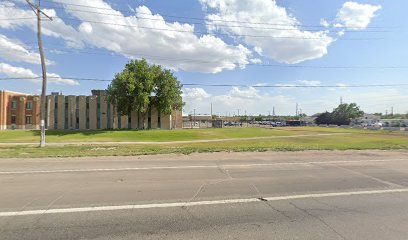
<point>163,135</point>
<point>358,139</point>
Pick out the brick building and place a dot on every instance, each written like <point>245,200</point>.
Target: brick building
<point>22,111</point>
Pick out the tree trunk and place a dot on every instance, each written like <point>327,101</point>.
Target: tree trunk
<point>144,121</point>
<point>138,120</point>
<point>114,117</point>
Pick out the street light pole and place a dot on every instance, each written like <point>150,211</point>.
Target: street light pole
<point>36,9</point>
<point>194,118</point>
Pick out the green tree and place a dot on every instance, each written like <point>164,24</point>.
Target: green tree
<point>140,86</point>
<point>342,115</point>
<point>167,92</point>
<point>323,118</point>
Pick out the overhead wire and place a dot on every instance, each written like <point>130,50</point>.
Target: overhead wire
<point>226,85</point>
<point>294,27</point>
<point>164,58</point>
<point>193,18</point>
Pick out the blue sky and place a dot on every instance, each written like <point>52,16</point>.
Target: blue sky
<point>219,42</point>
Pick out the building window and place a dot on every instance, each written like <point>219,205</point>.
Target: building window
<point>13,119</point>
<point>29,120</point>
<point>14,104</point>
<point>29,105</point>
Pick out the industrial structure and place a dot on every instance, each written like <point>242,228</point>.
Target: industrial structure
<point>22,111</point>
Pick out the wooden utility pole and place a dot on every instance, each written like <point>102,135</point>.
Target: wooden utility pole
<point>37,10</point>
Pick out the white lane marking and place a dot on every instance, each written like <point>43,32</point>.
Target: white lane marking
<point>200,203</point>
<point>194,166</point>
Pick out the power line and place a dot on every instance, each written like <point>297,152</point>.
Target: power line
<point>218,25</point>
<point>17,78</point>
<point>228,85</point>
<point>206,33</point>
<point>202,19</point>
<point>15,19</point>
<point>194,18</point>
<point>163,58</point>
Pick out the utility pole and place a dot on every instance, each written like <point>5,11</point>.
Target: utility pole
<point>37,10</point>
<point>211,111</point>
<point>341,100</point>
<point>238,112</point>
<point>194,117</point>
<point>297,107</point>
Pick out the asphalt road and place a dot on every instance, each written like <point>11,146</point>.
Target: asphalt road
<point>298,195</point>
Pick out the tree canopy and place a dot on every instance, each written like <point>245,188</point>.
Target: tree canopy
<point>341,115</point>
<point>140,85</point>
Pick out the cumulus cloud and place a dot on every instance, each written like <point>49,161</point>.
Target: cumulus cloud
<point>356,16</point>
<point>248,99</point>
<point>309,82</point>
<point>144,34</point>
<point>195,94</point>
<point>13,50</point>
<point>27,74</point>
<point>56,28</point>
<point>249,93</point>
<point>17,72</point>
<point>282,39</point>
<point>256,61</point>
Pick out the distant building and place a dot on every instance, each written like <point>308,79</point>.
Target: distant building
<point>22,111</point>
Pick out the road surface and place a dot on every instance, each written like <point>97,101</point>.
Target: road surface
<point>270,195</point>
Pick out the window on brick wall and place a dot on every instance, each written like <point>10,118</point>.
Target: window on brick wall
<point>13,119</point>
<point>29,120</point>
<point>14,104</point>
<point>29,105</point>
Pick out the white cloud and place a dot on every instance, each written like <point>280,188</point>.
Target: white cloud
<point>57,79</point>
<point>249,93</point>
<point>27,74</point>
<point>16,72</point>
<point>194,94</point>
<point>249,99</point>
<point>13,50</point>
<point>256,61</point>
<point>290,45</point>
<point>144,34</point>
<point>309,82</point>
<point>206,53</point>
<point>356,16</point>
<point>324,23</point>
<point>55,28</point>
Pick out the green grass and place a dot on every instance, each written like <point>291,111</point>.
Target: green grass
<point>162,135</point>
<point>359,140</point>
